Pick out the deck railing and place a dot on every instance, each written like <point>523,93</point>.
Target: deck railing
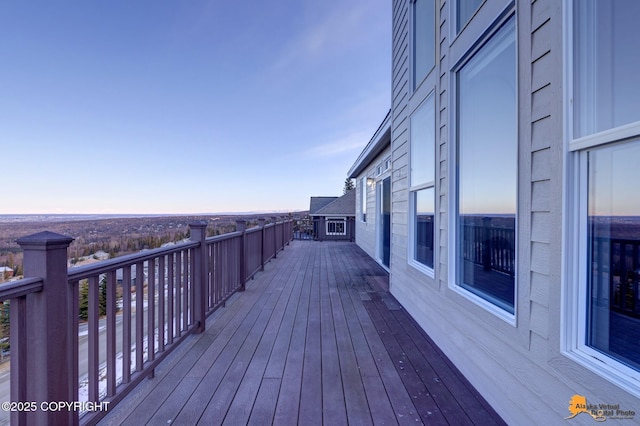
<point>616,273</point>
<point>138,309</point>
<point>491,247</point>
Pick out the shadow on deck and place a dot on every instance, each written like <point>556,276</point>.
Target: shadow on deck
<point>314,339</point>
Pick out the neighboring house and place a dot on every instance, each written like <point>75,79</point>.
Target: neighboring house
<point>5,273</point>
<point>372,172</point>
<point>134,275</point>
<point>514,202</point>
<point>333,217</point>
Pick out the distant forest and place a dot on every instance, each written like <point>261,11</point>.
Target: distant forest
<point>115,236</point>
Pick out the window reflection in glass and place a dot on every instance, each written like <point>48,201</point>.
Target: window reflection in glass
<point>606,63</point>
<point>614,251</point>
<point>424,49</point>
<point>487,171</point>
<point>423,214</point>
<point>423,143</point>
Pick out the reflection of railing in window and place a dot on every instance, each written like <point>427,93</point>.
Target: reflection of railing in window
<point>616,266</point>
<point>424,240</point>
<point>491,247</point>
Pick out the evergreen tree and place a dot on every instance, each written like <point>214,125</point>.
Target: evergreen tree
<point>103,296</point>
<point>84,300</point>
<point>348,185</point>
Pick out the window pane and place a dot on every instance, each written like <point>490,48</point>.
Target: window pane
<point>423,143</point>
<point>423,223</point>
<point>606,63</point>
<point>487,170</point>
<point>614,252</point>
<point>465,9</point>
<point>423,39</point>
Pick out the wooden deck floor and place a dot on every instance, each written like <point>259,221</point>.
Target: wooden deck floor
<point>315,339</point>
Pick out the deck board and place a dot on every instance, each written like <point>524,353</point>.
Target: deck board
<point>314,339</point>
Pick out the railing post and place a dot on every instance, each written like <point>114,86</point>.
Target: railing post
<point>275,239</point>
<point>261,222</point>
<point>199,234</point>
<point>241,226</point>
<point>43,365</point>
<point>289,230</point>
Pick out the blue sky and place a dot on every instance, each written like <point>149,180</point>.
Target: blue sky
<point>190,106</point>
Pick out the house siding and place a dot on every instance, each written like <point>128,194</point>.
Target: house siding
<point>366,232</point>
<point>518,366</point>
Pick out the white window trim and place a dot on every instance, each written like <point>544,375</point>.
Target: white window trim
<point>573,318</point>
<point>336,220</point>
<point>411,246</point>
<point>453,13</point>
<point>452,263</point>
<point>430,272</point>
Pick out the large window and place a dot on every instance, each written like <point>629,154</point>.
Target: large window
<point>422,176</point>
<point>605,150</point>
<point>606,89</point>
<point>487,171</point>
<point>424,51</point>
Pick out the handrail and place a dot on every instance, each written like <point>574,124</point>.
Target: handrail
<point>166,294</point>
<point>80,272</point>
<point>20,288</point>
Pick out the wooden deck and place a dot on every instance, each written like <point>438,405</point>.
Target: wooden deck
<point>314,339</point>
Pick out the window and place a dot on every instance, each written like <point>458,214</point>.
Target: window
<point>363,193</point>
<point>604,149</point>
<point>486,172</point>
<point>606,89</point>
<point>423,212</point>
<point>336,227</point>
<point>464,11</point>
<point>422,179</point>
<point>424,51</point>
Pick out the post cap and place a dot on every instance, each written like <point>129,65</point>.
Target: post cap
<point>198,224</point>
<point>45,239</point>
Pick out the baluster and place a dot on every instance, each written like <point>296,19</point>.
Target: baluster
<point>126,324</point>
<point>151,310</point>
<point>93,310</point>
<point>111,332</point>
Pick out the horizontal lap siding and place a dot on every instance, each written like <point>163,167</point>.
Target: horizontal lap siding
<point>543,131</point>
<point>400,133</point>
<point>517,367</point>
<point>442,144</point>
<point>509,364</point>
<point>366,232</point>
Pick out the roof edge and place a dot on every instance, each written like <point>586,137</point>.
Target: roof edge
<point>378,142</point>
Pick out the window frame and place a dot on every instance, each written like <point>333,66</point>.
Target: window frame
<point>336,221</point>
<point>455,11</point>
<point>575,289</point>
<point>453,216</point>
<point>414,189</point>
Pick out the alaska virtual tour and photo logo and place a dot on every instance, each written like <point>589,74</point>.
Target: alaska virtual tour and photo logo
<point>599,412</point>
